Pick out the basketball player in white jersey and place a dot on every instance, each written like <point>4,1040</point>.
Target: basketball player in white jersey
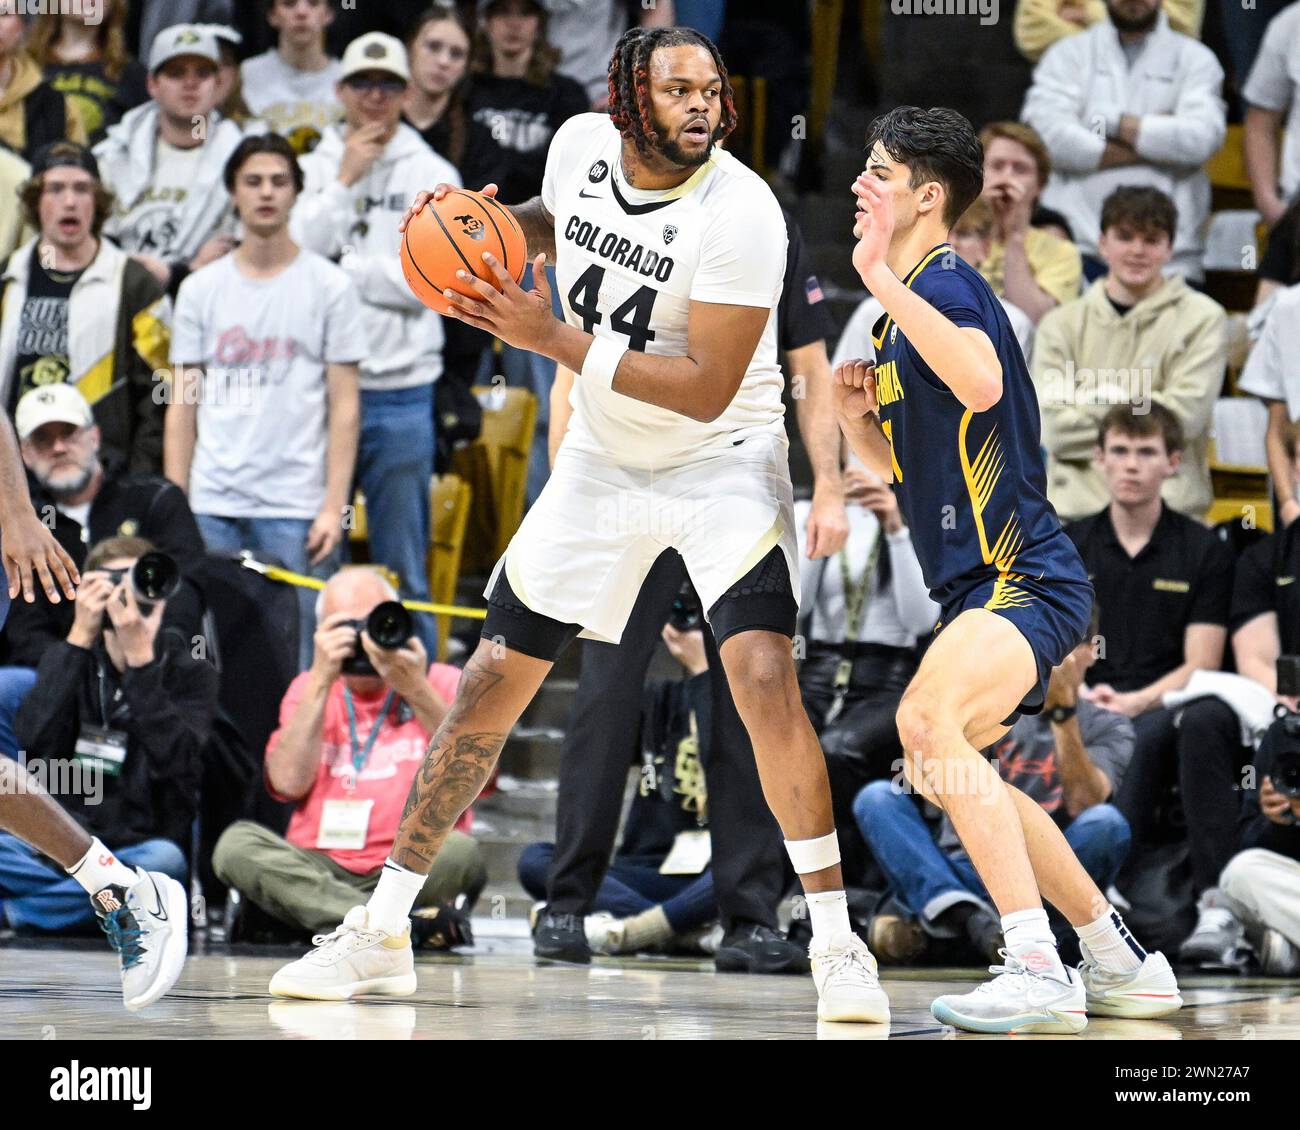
<point>669,256</point>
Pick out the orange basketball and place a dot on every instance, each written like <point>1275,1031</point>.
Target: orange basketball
<point>451,235</point>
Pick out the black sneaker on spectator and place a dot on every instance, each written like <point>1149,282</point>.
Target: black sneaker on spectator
<point>1278,956</point>
<point>985,933</point>
<point>1216,942</point>
<point>440,927</point>
<point>561,937</point>
<point>751,948</point>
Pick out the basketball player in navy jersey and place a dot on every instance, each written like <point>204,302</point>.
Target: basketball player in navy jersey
<point>949,415</point>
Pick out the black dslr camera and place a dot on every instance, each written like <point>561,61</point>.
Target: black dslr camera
<point>389,624</point>
<point>154,578</point>
<point>686,613</point>
<point>1284,736</point>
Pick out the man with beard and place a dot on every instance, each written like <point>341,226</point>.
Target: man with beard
<point>1130,101</point>
<point>669,256</point>
<point>82,502</point>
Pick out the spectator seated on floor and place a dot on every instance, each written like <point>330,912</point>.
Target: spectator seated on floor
<point>658,891</point>
<point>353,732</point>
<point>1130,102</point>
<point>1070,759</point>
<point>1026,264</point>
<point>83,502</point>
<point>1134,338</point>
<point>863,610</point>
<point>122,714</point>
<point>1261,883</point>
<point>1164,584</point>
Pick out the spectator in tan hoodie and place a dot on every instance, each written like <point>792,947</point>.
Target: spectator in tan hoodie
<point>1133,337</point>
<point>32,113</point>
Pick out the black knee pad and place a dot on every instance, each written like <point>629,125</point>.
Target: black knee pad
<point>762,600</point>
<point>520,628</point>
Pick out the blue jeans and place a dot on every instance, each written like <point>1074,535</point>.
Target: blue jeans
<point>532,371</point>
<point>285,539</point>
<point>40,894</point>
<point>394,468</point>
<point>928,880</point>
<point>626,889</point>
<point>15,682</point>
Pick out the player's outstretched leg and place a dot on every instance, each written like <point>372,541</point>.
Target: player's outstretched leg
<point>792,769</point>
<point>144,913</point>
<point>370,952</point>
<point>952,709</point>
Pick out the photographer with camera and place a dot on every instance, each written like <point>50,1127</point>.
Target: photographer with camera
<point>354,728</point>
<point>1262,881</point>
<point>82,500</point>
<point>128,707</point>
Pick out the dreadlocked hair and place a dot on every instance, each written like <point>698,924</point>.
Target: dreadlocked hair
<point>629,81</point>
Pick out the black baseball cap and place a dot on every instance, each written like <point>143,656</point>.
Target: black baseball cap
<point>56,153</point>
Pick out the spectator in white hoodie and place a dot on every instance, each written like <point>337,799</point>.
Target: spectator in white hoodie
<point>164,160</point>
<point>360,179</point>
<point>1130,101</point>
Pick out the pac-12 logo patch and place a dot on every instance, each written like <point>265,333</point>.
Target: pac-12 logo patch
<point>670,233</point>
<point>471,227</point>
<point>598,172</point>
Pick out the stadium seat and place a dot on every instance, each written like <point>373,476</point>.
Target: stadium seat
<point>496,468</point>
<point>449,503</point>
<point>1238,462</point>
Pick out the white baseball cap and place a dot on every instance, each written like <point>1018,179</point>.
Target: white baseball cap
<point>54,403</point>
<point>183,39</point>
<point>376,51</point>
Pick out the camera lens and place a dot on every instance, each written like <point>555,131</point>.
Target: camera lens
<point>390,625</point>
<point>155,577</point>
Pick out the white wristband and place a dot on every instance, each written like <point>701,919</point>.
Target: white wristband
<point>602,360</point>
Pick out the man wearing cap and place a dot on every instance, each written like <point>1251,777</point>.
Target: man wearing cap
<point>82,502</point>
<point>74,308</point>
<point>359,181</point>
<point>163,161</point>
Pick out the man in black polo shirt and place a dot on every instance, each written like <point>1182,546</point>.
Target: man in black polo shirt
<point>83,502</point>
<point>1164,583</point>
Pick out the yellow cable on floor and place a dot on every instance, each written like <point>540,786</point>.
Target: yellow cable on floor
<point>276,573</point>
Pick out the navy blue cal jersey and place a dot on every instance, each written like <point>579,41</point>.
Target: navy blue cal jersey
<point>971,485</point>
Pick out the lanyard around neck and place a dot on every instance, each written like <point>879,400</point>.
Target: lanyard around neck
<point>361,753</point>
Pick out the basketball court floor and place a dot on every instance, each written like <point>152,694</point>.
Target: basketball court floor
<point>69,991</point>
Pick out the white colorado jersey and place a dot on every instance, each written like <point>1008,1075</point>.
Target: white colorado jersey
<point>629,262</point>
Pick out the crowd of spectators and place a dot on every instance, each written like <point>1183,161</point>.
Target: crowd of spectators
<point>207,346</point>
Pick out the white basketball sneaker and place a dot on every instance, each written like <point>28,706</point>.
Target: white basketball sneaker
<point>848,986</point>
<point>352,960</point>
<point>1147,992</point>
<point>148,925</point>
<point>1018,999</point>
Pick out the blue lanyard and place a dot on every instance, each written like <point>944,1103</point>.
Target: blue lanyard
<point>359,754</point>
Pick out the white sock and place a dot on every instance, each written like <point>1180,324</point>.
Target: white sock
<point>100,868</point>
<point>389,908</point>
<point>1029,939</point>
<point>829,912</point>
<point>1109,941</point>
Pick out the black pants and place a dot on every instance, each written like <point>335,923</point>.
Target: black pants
<point>1204,755</point>
<point>748,854</point>
<point>862,744</point>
